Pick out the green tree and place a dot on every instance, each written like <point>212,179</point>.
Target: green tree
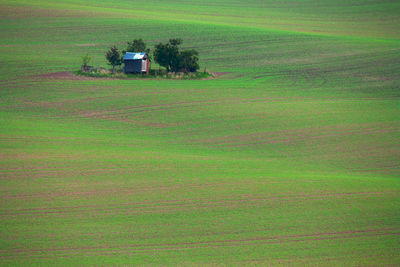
<point>137,45</point>
<point>189,60</point>
<point>113,56</point>
<point>86,60</point>
<point>162,55</point>
<point>169,56</point>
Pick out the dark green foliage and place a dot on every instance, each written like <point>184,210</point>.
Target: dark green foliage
<point>113,56</point>
<point>175,42</point>
<point>169,56</point>
<point>137,45</point>
<point>86,59</point>
<point>189,60</point>
<point>85,63</point>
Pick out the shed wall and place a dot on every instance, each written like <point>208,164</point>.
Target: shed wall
<point>133,66</point>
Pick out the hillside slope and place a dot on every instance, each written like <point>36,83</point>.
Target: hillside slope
<point>289,157</point>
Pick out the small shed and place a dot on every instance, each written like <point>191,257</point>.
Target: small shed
<point>136,62</point>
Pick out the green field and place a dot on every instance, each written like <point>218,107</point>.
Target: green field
<point>290,156</point>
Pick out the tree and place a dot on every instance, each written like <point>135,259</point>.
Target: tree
<point>176,41</point>
<point>189,60</point>
<point>114,57</point>
<point>169,56</point>
<point>175,57</point>
<point>86,60</point>
<point>137,45</point>
<point>162,55</point>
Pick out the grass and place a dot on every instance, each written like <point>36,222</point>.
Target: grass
<point>289,158</point>
<point>153,74</point>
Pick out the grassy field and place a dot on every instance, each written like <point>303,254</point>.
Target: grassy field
<point>289,157</point>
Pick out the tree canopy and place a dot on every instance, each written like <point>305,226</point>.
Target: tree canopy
<point>137,45</point>
<point>189,60</point>
<point>86,59</point>
<point>113,56</point>
<point>169,56</point>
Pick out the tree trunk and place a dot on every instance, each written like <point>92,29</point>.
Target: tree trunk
<point>113,69</point>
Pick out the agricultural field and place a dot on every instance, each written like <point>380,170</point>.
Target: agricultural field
<point>289,156</point>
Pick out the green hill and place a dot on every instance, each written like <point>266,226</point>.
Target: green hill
<point>290,156</point>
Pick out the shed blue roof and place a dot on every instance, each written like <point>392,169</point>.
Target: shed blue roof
<point>131,55</point>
